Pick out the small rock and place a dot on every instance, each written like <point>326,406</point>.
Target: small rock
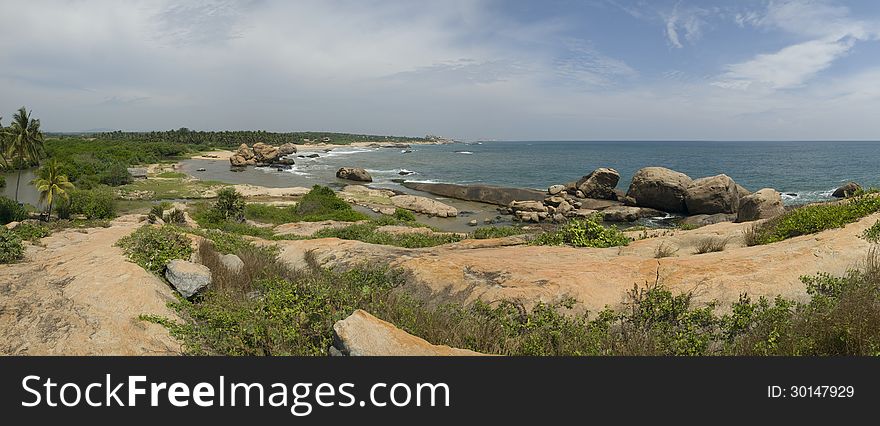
<point>555,189</point>
<point>187,278</point>
<point>12,225</point>
<point>232,263</point>
<point>473,222</point>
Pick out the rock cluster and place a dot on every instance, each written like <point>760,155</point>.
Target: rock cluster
<point>262,154</point>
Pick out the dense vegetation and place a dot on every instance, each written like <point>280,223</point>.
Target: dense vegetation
<point>497,232</point>
<point>319,204</point>
<point>153,247</point>
<point>11,249</point>
<point>587,232</point>
<point>229,139</point>
<point>811,219</point>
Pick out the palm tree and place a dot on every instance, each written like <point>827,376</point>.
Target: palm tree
<point>25,141</point>
<point>3,139</point>
<point>52,184</point>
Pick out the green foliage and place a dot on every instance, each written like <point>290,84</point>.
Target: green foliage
<point>583,233</point>
<point>186,137</point>
<point>2,180</point>
<point>11,249</point>
<point>872,234</point>
<point>10,211</point>
<point>321,203</point>
<point>814,218</point>
<point>175,216</point>
<point>32,232</point>
<point>152,247</point>
<point>115,175</point>
<point>229,206</point>
<point>497,232</point>
<point>404,215</point>
<point>171,175</point>
<point>97,203</point>
<point>368,233</point>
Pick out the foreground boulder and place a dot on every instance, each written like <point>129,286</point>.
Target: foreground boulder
<point>362,334</point>
<point>660,188</point>
<point>354,173</point>
<point>187,278</point>
<point>763,204</point>
<point>712,195</point>
<point>847,190</point>
<point>424,205</point>
<point>497,195</point>
<point>600,184</point>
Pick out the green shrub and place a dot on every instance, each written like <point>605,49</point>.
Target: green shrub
<point>97,203</point>
<point>152,248</point>
<point>497,232</point>
<point>2,181</point>
<point>115,175</point>
<point>229,206</point>
<point>404,215</point>
<point>583,233</point>
<point>368,233</point>
<point>321,203</point>
<point>11,249</point>
<point>872,234</point>
<point>31,232</point>
<point>175,216</point>
<point>814,218</point>
<point>10,211</point>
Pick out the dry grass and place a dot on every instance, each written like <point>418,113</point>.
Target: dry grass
<point>665,250</point>
<point>711,245</point>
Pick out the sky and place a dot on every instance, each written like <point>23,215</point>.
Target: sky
<point>468,69</point>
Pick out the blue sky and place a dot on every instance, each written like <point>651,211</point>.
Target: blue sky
<point>600,69</point>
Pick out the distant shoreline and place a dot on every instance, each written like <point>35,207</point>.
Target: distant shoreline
<point>224,154</point>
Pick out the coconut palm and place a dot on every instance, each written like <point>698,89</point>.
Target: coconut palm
<point>24,141</point>
<point>3,139</point>
<point>52,184</point>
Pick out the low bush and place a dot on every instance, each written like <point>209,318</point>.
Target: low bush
<point>321,203</point>
<point>2,181</point>
<point>153,247</point>
<point>10,211</point>
<point>711,245</point>
<point>11,249</point>
<point>175,216</point>
<point>404,215</point>
<point>814,218</point>
<point>369,233</point>
<point>583,233</point>
<point>115,175</point>
<point>31,232</point>
<point>497,232</point>
<point>96,203</point>
<point>665,250</point>
<point>872,234</point>
<point>229,206</point>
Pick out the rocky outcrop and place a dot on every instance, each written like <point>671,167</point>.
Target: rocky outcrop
<point>480,193</point>
<point>712,195</point>
<point>763,204</point>
<point>847,190</point>
<point>424,205</point>
<point>599,184</point>
<point>188,278</point>
<point>232,263</point>
<point>660,188</point>
<point>242,157</point>
<point>286,149</point>
<point>701,220</point>
<point>354,173</point>
<point>555,189</point>
<point>629,214</point>
<point>742,191</point>
<point>362,334</point>
<point>265,153</point>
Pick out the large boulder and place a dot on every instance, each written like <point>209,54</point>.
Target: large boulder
<point>628,214</point>
<point>424,205</point>
<point>244,156</point>
<point>847,190</point>
<point>265,153</point>
<point>712,195</point>
<point>660,188</point>
<point>187,278</point>
<point>497,195</point>
<point>701,220</point>
<point>762,204</point>
<point>286,149</point>
<point>362,334</point>
<point>354,173</point>
<point>600,183</point>
<point>528,206</point>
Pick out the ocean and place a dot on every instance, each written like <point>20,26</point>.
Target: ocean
<point>802,171</point>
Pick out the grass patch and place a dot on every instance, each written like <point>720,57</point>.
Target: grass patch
<point>153,247</point>
<point>711,245</point>
<point>172,175</point>
<point>369,233</point>
<point>319,204</point>
<point>497,232</point>
<point>811,219</point>
<point>665,250</point>
<point>32,232</point>
<point>583,233</point>
<point>11,249</point>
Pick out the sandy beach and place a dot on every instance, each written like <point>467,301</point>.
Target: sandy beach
<point>312,147</point>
